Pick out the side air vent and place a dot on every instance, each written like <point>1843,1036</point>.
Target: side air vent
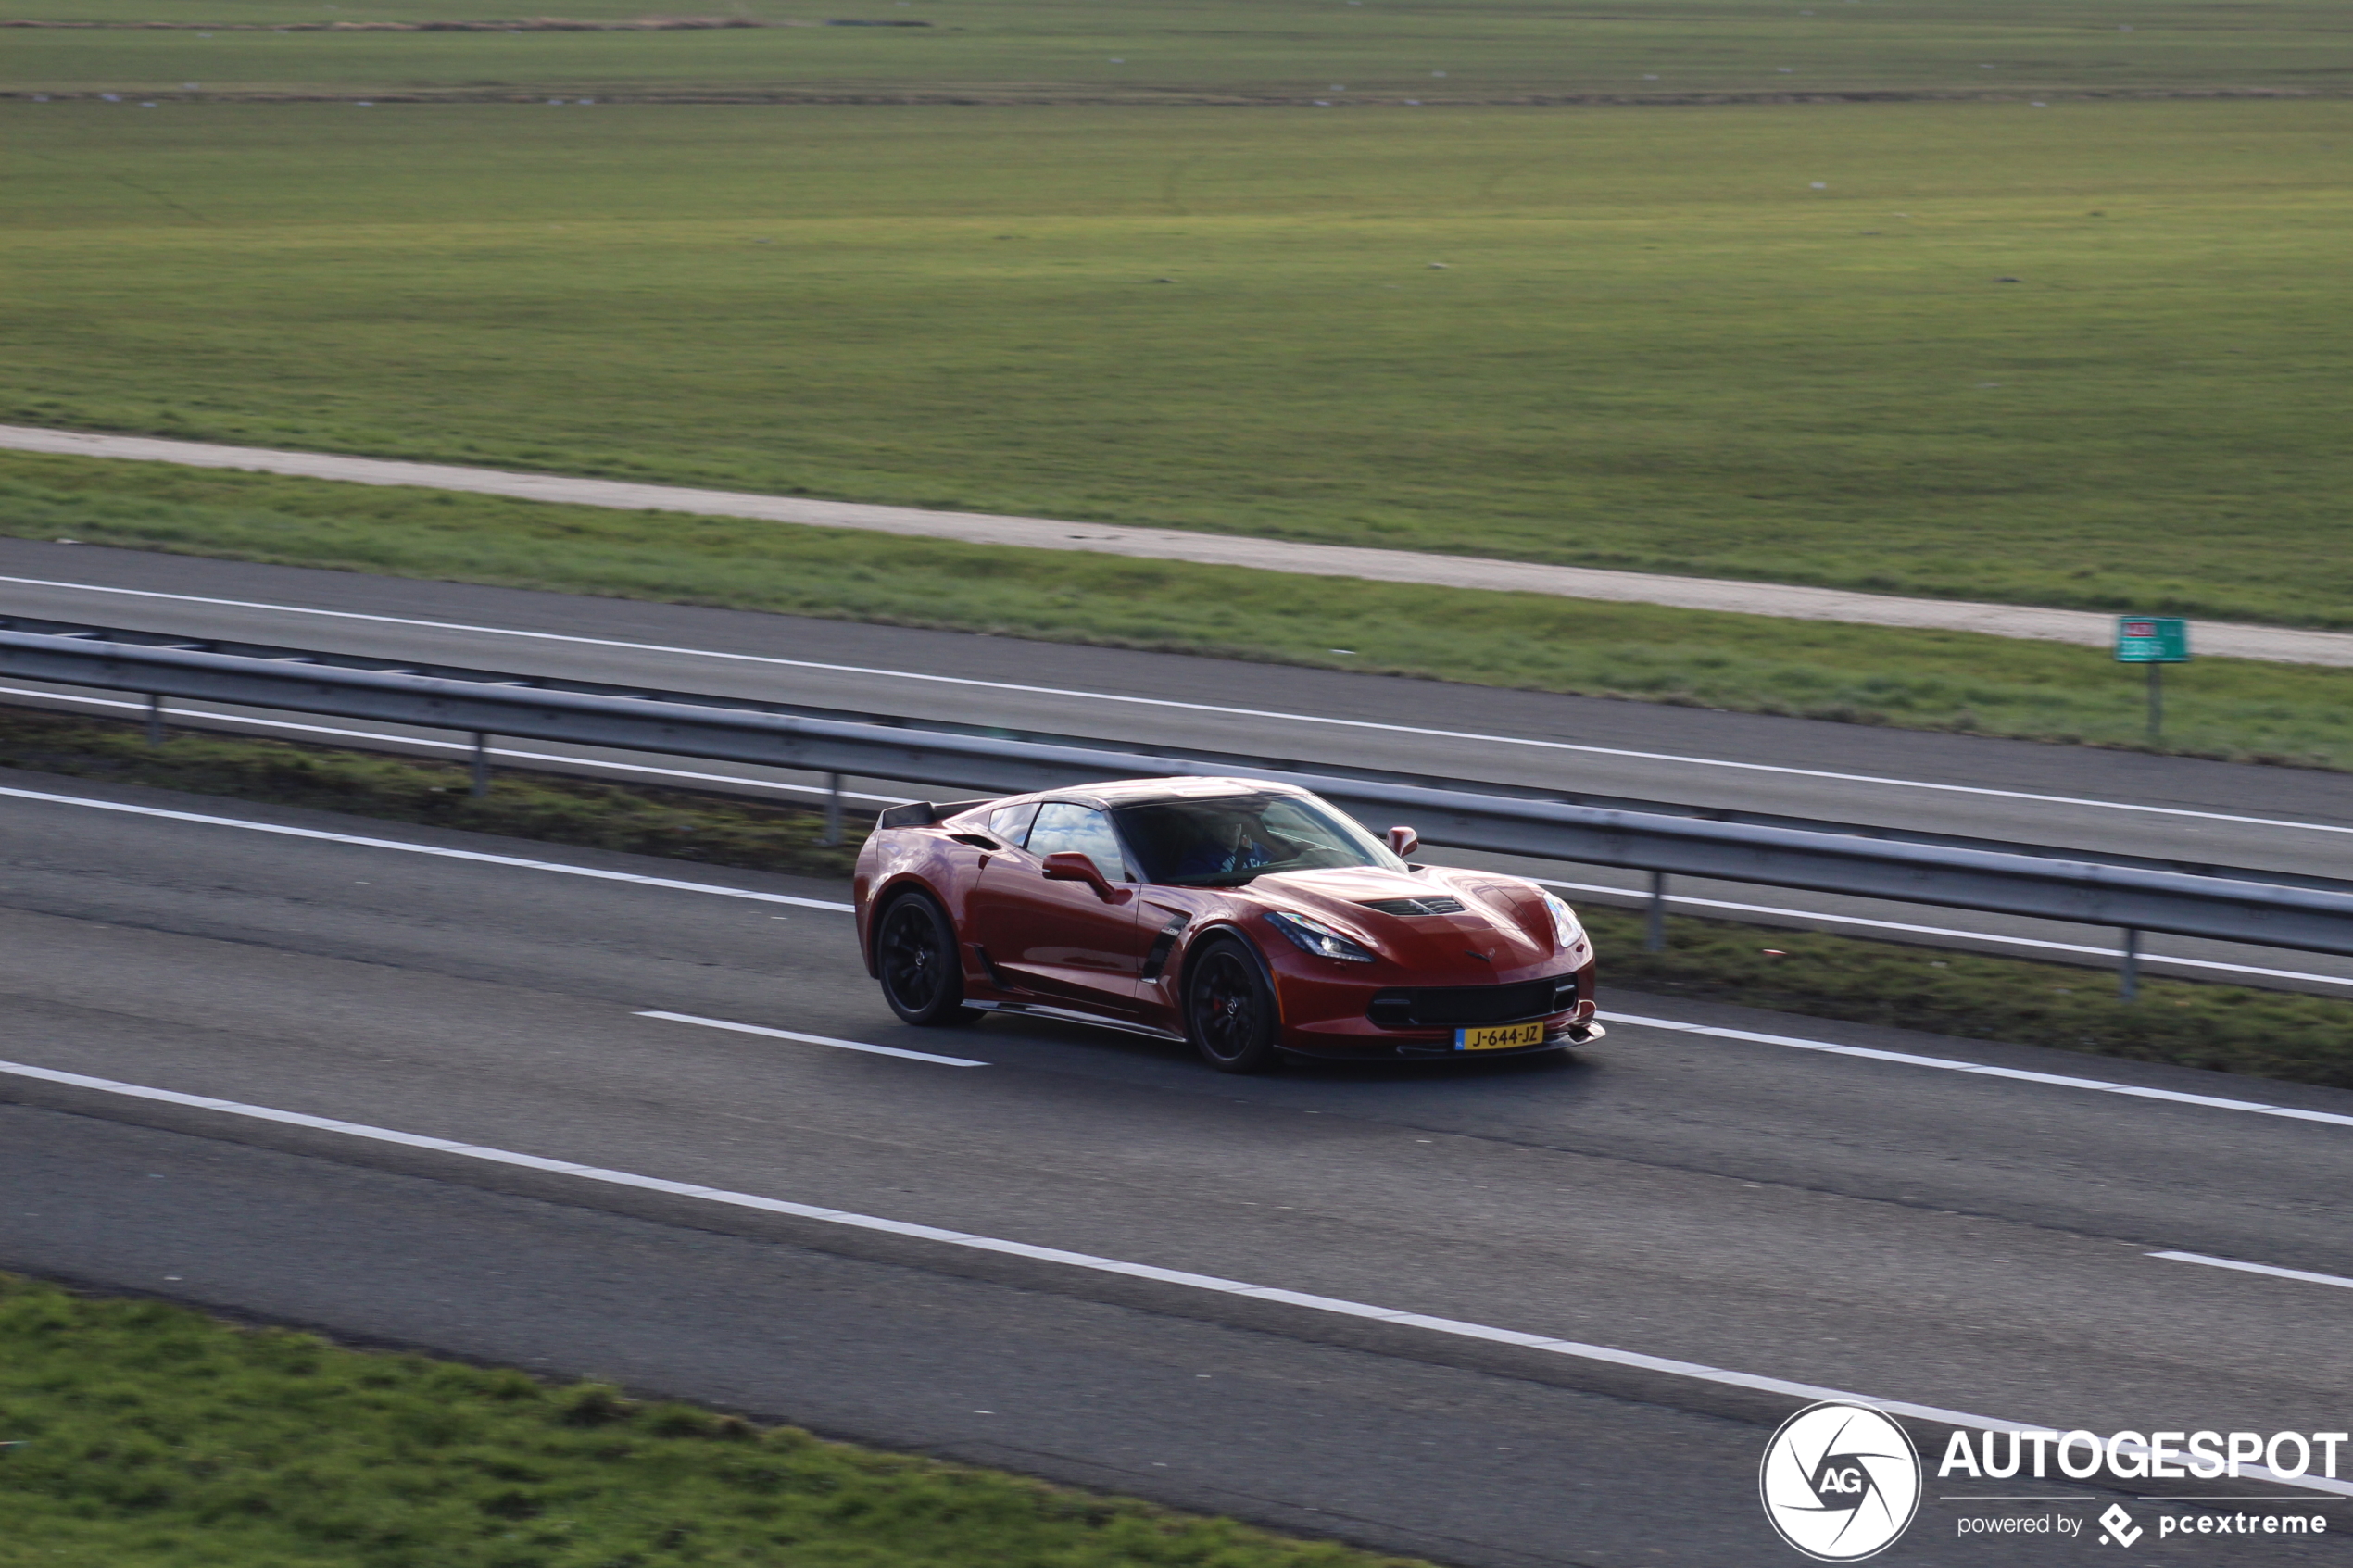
<point>1436,906</point>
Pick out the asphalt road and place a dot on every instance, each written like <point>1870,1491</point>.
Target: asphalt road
<point>2096,801</point>
<point>1969,1242</point>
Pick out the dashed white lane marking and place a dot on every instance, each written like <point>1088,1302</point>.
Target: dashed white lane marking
<point>2272,1270</point>
<point>1337,1306</point>
<point>513,861</point>
<point>812,1040</point>
<point>1946,1064</point>
<point>1191,706</point>
<point>180,717</point>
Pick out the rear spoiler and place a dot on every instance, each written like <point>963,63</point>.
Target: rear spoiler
<point>924,813</point>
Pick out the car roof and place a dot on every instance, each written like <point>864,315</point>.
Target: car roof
<point>1141,792</point>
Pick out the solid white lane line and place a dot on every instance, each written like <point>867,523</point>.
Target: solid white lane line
<point>813,1039</point>
<point>514,861</point>
<point>2305,1276</point>
<point>1192,707</point>
<point>1823,1045</point>
<point>1338,1306</point>
<point>691,776</point>
<point>1816,916</point>
<point>1946,1064</point>
<point>180,715</point>
<point>901,800</point>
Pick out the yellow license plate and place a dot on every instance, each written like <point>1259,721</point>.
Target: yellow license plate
<point>1501,1036</point>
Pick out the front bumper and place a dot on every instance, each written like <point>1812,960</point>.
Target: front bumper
<point>1562,1032</point>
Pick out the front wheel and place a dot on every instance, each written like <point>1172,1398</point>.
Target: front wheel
<point>1230,1009</point>
<point>915,957</point>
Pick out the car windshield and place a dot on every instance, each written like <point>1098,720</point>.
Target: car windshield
<point>1226,841</point>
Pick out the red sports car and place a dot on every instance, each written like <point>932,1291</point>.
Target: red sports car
<point>1249,918</point>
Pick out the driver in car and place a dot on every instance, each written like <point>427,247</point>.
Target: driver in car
<point>1206,857</point>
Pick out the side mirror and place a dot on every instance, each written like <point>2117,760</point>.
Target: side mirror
<point>1069,865</point>
<point>1403,842</point>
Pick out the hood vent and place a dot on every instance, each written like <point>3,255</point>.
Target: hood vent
<point>1435,906</point>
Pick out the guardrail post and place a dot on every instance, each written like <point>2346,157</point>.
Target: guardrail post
<point>833,810</point>
<point>155,719</point>
<point>1655,929</point>
<point>2128,984</point>
<point>482,765</point>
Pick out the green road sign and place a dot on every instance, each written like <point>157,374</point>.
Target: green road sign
<point>2150,639</point>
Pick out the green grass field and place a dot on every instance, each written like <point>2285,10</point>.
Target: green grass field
<point>1655,343</point>
<point>1991,686</point>
<point>154,1438</point>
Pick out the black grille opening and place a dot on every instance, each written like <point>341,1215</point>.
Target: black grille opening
<point>1450,1006</point>
<point>1440,905</point>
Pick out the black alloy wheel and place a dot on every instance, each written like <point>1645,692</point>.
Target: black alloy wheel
<point>1229,1008</point>
<point>915,956</point>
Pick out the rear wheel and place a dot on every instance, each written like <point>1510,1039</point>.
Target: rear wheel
<point>1229,1008</point>
<point>915,958</point>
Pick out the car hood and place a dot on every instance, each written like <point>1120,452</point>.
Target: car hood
<point>1502,926</point>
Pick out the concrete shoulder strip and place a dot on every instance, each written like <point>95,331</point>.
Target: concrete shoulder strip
<point>1338,1306</point>
<point>2277,643</point>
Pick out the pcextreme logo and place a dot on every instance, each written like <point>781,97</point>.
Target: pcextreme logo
<point>1839,1482</point>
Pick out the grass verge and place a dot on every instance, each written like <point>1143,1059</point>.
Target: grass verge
<point>2227,1028</point>
<point>153,1435</point>
<point>2235,709</point>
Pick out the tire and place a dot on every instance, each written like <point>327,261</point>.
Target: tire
<point>1229,1008</point>
<point>916,959</point>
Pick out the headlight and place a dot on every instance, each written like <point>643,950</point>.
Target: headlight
<point>1314,936</point>
<point>1565,929</point>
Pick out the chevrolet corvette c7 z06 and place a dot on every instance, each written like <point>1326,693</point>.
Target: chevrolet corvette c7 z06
<point>1248,918</point>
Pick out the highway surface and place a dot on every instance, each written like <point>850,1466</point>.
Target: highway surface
<point>2096,801</point>
<point>406,1085</point>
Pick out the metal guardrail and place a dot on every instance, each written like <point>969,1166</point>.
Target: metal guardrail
<point>2257,907</point>
<point>1223,762</point>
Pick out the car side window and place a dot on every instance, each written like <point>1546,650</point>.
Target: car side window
<point>1008,824</point>
<point>1061,827</point>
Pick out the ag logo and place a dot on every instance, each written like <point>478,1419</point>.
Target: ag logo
<point>1839,1482</point>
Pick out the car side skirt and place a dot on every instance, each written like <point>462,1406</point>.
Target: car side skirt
<point>1073,1015</point>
